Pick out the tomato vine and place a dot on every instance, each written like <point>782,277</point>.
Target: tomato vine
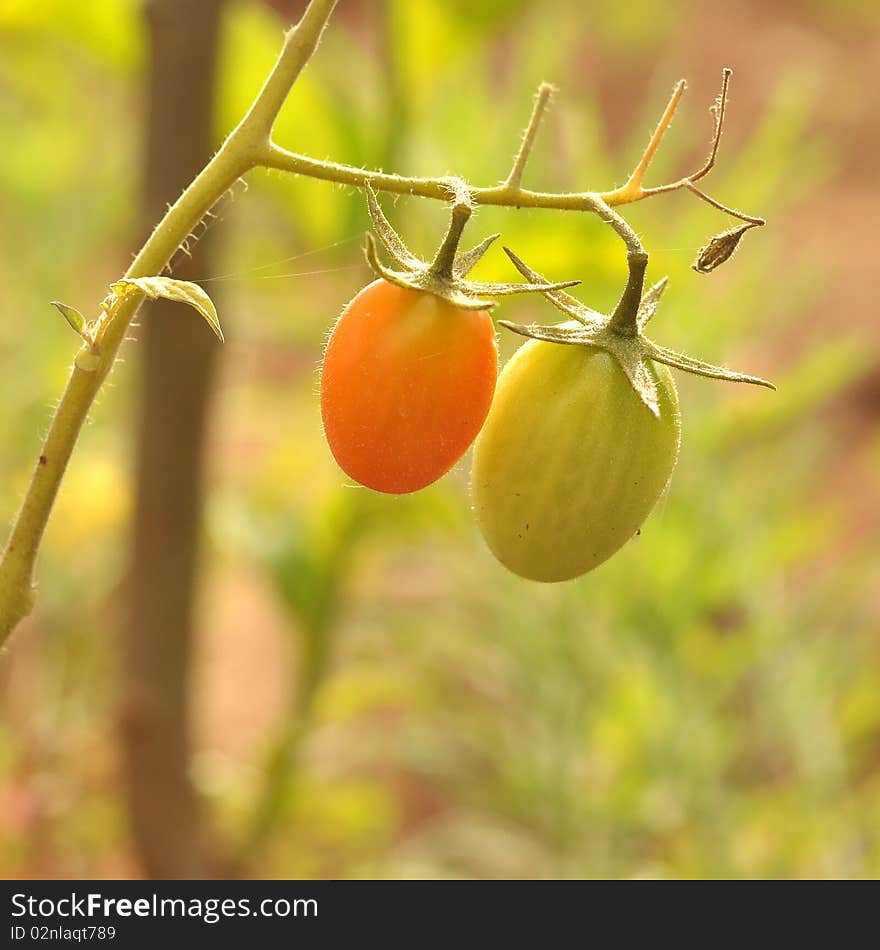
<point>250,145</point>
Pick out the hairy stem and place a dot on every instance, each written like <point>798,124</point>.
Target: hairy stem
<point>542,100</point>
<point>238,154</point>
<point>280,158</point>
<point>444,260</point>
<point>624,320</point>
<point>634,184</point>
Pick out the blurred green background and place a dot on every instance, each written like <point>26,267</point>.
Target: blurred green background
<point>369,693</point>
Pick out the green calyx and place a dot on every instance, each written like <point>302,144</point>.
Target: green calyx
<point>621,333</point>
<point>445,276</point>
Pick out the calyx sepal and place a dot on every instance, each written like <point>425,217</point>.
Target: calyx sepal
<point>620,333</point>
<point>446,275</point>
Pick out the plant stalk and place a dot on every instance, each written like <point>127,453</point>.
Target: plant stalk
<point>239,153</point>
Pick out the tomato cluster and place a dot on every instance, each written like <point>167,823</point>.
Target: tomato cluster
<point>572,451</point>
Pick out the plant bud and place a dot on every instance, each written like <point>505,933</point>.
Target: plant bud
<point>719,249</point>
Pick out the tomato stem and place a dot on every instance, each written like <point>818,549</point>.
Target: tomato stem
<point>443,265</point>
<point>510,193</point>
<point>624,319</point>
<point>241,152</point>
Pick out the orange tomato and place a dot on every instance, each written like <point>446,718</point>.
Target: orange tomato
<point>406,385</point>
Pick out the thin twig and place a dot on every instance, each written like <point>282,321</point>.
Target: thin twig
<point>751,219</point>
<point>635,179</point>
<point>236,156</point>
<point>718,109</point>
<point>542,100</point>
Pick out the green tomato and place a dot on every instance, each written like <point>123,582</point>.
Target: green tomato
<point>570,461</point>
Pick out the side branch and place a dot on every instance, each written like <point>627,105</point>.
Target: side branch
<point>718,110</point>
<point>300,43</point>
<point>542,100</point>
<point>634,183</point>
<point>276,157</point>
<point>633,190</point>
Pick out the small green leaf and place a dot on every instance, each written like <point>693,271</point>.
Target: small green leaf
<point>183,291</point>
<point>71,315</point>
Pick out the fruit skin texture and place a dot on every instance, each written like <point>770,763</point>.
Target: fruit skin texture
<point>570,461</point>
<point>406,384</point>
